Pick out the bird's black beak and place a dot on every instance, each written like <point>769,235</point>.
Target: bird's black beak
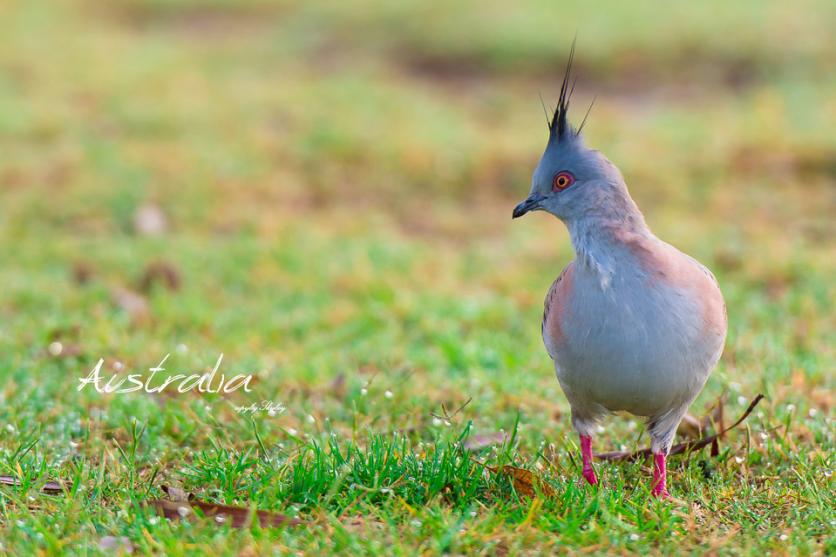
<point>533,202</point>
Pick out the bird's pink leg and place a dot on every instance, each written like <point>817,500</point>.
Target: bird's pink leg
<point>586,453</point>
<point>659,476</point>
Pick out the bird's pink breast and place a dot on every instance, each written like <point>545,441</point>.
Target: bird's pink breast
<point>664,265</point>
<point>639,329</point>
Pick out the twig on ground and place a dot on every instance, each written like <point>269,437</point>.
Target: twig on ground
<point>686,447</point>
<point>446,415</point>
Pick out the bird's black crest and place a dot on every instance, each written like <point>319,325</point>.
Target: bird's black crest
<point>559,124</point>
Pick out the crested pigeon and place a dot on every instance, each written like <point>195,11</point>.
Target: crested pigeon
<point>631,323</point>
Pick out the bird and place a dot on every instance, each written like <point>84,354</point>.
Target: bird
<point>632,324</point>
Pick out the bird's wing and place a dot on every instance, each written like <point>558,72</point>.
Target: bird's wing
<point>553,305</point>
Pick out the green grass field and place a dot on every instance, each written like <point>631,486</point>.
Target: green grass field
<point>323,194</point>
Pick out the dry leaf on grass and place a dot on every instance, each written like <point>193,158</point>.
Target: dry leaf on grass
<point>526,482</point>
<point>237,517</point>
<point>50,487</point>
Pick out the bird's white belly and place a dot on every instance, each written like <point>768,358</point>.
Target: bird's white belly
<point>631,347</point>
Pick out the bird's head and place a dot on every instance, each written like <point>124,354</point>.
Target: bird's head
<point>571,180</point>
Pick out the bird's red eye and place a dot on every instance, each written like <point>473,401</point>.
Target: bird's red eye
<point>562,180</point>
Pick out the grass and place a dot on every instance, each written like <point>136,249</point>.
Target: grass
<point>337,184</point>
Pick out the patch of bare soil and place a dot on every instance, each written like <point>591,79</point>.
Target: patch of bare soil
<point>197,20</point>
<point>630,77</point>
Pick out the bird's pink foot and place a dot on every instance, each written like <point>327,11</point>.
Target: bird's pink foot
<point>659,489</point>
<point>586,454</point>
<point>589,475</point>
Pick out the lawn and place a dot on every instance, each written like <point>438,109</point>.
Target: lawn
<point>322,194</point>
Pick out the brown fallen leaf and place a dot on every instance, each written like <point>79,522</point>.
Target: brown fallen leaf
<point>50,487</point>
<point>686,447</point>
<point>477,442</point>
<point>237,517</point>
<point>526,482</point>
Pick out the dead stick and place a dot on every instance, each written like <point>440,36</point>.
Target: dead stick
<point>682,447</point>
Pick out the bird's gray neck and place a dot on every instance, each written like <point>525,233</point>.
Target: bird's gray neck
<point>601,236</point>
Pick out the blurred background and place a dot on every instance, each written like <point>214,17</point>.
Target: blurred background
<point>322,191</point>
